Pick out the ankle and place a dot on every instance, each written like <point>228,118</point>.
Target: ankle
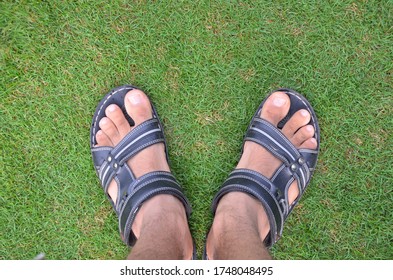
<point>161,207</point>
<point>162,231</point>
<point>229,230</point>
<point>239,211</point>
<point>164,213</point>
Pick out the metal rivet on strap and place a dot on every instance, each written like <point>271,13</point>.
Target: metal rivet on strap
<point>109,159</point>
<point>115,165</point>
<point>301,160</point>
<point>293,167</point>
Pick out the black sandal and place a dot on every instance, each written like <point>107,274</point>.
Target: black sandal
<point>110,164</point>
<point>298,164</point>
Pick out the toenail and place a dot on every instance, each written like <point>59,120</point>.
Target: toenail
<point>309,128</point>
<point>279,101</point>
<point>103,121</point>
<point>135,98</point>
<point>304,113</point>
<point>112,108</point>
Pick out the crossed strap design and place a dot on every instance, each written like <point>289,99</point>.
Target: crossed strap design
<point>111,164</point>
<point>273,194</point>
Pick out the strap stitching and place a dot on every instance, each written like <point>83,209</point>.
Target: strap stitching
<point>303,181</point>
<point>103,166</point>
<point>267,147</point>
<point>112,175</point>
<point>101,148</point>
<point>251,179</point>
<point>144,184</point>
<point>153,173</point>
<point>134,131</point>
<point>118,154</point>
<point>250,171</point>
<point>107,167</point>
<point>278,172</point>
<point>280,136</point>
<point>140,148</point>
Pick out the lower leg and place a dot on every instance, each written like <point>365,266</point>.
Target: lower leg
<point>235,233</point>
<point>162,230</point>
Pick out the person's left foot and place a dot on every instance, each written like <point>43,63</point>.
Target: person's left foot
<point>257,158</point>
<point>297,131</point>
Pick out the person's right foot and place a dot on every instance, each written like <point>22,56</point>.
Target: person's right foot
<point>257,158</point>
<point>113,128</point>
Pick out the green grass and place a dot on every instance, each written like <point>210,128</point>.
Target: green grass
<point>206,65</point>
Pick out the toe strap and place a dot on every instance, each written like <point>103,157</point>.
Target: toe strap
<point>138,192</point>
<point>257,185</point>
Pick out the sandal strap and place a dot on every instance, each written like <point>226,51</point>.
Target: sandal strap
<point>145,134</point>
<point>297,164</point>
<point>272,139</point>
<point>112,160</point>
<point>138,192</point>
<point>257,185</point>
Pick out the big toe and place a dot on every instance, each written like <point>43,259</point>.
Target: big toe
<point>276,107</point>
<point>138,106</point>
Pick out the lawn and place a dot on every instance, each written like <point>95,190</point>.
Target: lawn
<point>206,65</point>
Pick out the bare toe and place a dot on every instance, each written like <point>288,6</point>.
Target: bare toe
<point>102,139</point>
<point>299,119</point>
<point>116,115</point>
<point>276,107</point>
<point>309,144</point>
<point>138,106</point>
<point>110,129</point>
<point>304,133</point>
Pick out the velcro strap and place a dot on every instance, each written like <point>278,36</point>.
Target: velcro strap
<point>140,137</point>
<point>267,135</point>
<point>146,134</point>
<point>139,191</point>
<point>255,184</point>
<point>271,138</point>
